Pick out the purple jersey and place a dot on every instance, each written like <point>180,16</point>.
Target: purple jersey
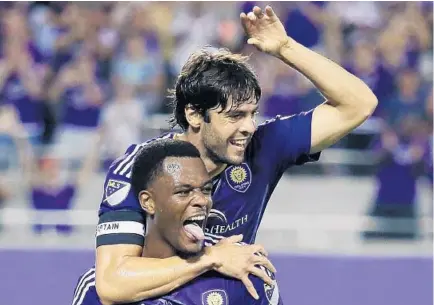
<point>208,289</point>
<point>78,110</point>
<point>241,192</point>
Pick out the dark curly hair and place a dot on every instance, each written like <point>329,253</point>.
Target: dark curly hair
<point>208,79</point>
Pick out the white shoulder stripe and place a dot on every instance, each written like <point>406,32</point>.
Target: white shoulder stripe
<point>87,280</point>
<point>126,159</point>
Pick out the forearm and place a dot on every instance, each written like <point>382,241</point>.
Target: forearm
<point>340,88</point>
<point>138,278</point>
<point>32,83</point>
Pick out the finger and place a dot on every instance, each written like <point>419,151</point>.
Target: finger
<point>244,21</point>
<point>253,41</point>
<point>251,16</point>
<point>258,12</point>
<point>269,11</point>
<point>262,275</point>
<point>266,263</point>
<point>250,288</point>
<point>232,239</point>
<point>259,249</point>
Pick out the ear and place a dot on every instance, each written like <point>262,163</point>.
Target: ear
<point>193,117</point>
<point>147,202</point>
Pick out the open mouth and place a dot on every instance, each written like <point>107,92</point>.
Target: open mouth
<point>193,227</point>
<point>241,143</point>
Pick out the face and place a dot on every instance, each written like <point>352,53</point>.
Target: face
<point>182,200</point>
<point>135,47</point>
<point>408,82</point>
<point>50,172</point>
<point>364,56</point>
<point>227,133</point>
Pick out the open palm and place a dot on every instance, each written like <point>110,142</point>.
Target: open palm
<point>265,30</point>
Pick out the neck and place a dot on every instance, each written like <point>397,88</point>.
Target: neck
<point>194,138</point>
<point>156,247</point>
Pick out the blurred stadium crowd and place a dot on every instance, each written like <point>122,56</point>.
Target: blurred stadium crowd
<point>82,81</point>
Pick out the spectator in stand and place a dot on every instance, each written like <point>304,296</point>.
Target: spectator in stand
<point>21,72</point>
<point>49,188</point>
<point>409,98</point>
<point>79,94</point>
<point>363,62</point>
<point>141,69</point>
<point>400,150</point>
<point>121,122</point>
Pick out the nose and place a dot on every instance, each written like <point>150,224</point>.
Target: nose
<point>200,199</point>
<point>248,125</point>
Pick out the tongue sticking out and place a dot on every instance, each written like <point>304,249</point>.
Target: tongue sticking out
<point>194,231</point>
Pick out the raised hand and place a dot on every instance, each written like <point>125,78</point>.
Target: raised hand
<point>265,30</point>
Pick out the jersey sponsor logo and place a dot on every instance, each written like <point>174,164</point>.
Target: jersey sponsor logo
<point>239,177</point>
<point>215,297</point>
<point>213,213</point>
<point>116,191</point>
<point>271,292</point>
<point>223,226</point>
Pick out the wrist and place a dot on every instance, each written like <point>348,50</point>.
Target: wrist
<point>287,49</point>
<point>211,260</point>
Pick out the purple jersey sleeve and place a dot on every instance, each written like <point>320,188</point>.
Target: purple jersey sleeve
<point>287,140</point>
<point>121,219</point>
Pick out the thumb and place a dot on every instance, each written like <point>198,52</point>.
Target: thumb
<point>232,239</point>
<point>253,41</point>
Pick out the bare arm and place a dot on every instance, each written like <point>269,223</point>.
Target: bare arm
<point>30,79</point>
<point>65,77</point>
<point>349,100</point>
<point>5,70</point>
<point>122,275</point>
<point>11,125</point>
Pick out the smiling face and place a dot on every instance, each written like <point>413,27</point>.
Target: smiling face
<point>179,201</point>
<point>227,132</point>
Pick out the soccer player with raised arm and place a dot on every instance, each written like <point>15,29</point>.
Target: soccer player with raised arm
<point>215,102</point>
<point>174,188</point>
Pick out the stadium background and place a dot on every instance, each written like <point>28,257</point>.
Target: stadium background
<point>79,82</point>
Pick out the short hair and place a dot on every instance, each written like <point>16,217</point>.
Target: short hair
<point>208,79</point>
<point>148,163</point>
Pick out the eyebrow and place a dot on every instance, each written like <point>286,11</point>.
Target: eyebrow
<point>187,185</point>
<point>237,111</point>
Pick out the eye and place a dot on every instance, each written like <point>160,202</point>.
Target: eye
<point>183,193</point>
<point>235,116</point>
<point>207,190</point>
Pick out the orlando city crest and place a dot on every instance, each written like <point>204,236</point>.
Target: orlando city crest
<point>215,297</point>
<point>116,191</point>
<point>239,177</point>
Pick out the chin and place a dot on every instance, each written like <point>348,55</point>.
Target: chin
<point>234,160</point>
<point>190,250</point>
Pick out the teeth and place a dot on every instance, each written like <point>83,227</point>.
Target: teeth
<point>197,218</point>
<point>239,142</point>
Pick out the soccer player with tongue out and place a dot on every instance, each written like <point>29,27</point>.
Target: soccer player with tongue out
<point>174,189</point>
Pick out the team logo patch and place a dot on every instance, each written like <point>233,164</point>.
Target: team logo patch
<point>116,191</point>
<point>239,177</point>
<point>215,297</point>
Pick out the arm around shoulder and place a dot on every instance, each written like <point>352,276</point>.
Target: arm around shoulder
<point>123,275</point>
